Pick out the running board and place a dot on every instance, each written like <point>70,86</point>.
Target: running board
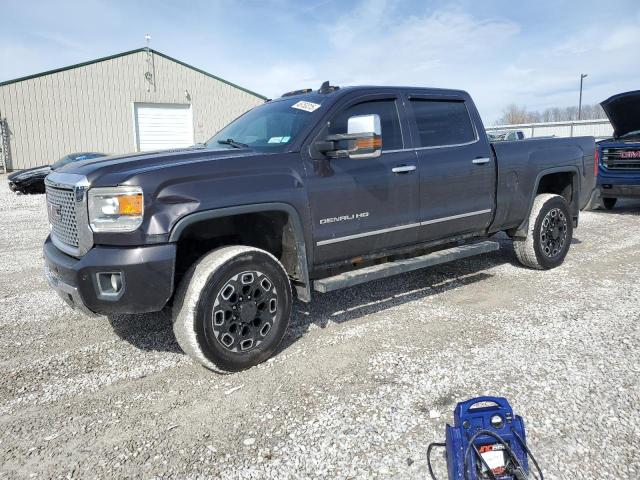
<point>375,272</point>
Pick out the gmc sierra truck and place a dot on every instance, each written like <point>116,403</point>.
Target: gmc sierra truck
<point>619,157</point>
<point>316,190</point>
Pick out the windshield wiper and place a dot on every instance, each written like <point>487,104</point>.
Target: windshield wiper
<point>233,143</point>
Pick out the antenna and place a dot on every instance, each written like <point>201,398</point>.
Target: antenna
<point>149,75</point>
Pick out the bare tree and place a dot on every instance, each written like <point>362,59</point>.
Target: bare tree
<point>514,114</point>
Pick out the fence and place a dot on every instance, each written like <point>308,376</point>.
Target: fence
<point>576,128</point>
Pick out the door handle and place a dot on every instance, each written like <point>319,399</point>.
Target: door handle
<point>403,169</point>
<point>481,161</point>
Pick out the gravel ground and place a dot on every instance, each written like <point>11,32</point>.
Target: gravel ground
<point>366,377</point>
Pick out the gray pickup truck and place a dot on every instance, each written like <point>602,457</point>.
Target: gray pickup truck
<point>316,190</point>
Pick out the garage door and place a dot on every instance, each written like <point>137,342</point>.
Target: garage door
<point>163,125</point>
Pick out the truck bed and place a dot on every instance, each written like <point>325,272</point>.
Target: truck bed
<point>522,164</point>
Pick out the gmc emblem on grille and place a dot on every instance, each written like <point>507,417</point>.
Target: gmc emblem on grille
<point>630,154</point>
<point>55,211</point>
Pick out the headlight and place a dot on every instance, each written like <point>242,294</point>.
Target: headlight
<point>115,209</point>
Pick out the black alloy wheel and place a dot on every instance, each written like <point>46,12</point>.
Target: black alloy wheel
<point>244,311</point>
<point>553,232</point>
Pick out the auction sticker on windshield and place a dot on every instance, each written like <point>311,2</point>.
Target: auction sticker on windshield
<point>306,106</point>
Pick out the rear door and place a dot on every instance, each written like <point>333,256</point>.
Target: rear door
<point>456,166</point>
<point>360,206</point>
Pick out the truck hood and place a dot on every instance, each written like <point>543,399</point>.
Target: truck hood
<point>623,111</point>
<point>116,169</point>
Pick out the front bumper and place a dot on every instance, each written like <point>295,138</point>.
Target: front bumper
<point>619,191</point>
<point>147,273</point>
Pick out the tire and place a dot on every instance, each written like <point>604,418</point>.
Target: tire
<point>546,246</point>
<point>228,297</point>
<point>609,203</point>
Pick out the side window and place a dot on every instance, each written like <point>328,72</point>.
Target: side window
<point>442,123</point>
<point>389,121</point>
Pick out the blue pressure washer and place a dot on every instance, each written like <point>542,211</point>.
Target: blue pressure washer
<point>486,443</point>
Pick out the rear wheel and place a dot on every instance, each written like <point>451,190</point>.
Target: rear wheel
<point>232,308</point>
<point>549,235</point>
<point>609,203</point>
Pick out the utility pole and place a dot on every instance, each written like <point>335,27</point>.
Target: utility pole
<point>582,77</point>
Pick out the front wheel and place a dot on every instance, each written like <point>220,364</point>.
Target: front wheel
<point>232,308</point>
<point>549,235</point>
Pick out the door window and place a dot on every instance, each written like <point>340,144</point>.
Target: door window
<point>442,123</point>
<point>389,121</point>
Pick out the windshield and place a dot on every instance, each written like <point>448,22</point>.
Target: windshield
<point>268,128</point>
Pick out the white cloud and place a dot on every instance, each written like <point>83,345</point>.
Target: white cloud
<point>495,59</point>
<point>376,44</point>
<point>275,46</point>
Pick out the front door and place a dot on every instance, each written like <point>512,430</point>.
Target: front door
<point>359,206</point>
<point>457,168</point>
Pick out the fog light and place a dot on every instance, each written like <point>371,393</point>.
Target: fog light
<point>116,282</point>
<point>109,283</point>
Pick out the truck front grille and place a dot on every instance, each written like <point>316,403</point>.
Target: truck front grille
<point>621,158</point>
<point>61,208</point>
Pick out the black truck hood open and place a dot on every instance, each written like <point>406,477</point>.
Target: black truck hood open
<point>623,111</point>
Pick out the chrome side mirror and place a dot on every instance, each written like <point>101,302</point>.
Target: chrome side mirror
<point>363,139</point>
<point>368,133</point>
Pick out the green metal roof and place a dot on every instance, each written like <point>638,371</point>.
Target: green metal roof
<point>123,54</point>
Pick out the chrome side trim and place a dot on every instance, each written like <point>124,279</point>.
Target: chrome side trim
<point>455,217</point>
<point>367,234</point>
<point>401,227</point>
<point>435,147</point>
<point>480,161</point>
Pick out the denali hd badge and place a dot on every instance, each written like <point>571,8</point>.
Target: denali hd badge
<point>343,218</point>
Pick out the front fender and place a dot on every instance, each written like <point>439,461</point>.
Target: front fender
<point>298,231</point>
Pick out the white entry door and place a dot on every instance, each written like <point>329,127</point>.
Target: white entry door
<point>163,125</point>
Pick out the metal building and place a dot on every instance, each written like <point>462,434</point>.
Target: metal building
<point>133,101</point>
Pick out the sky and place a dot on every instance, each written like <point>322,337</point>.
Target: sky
<point>528,52</point>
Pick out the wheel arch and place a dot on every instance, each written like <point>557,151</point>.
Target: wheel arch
<point>545,182</point>
<point>292,227</point>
